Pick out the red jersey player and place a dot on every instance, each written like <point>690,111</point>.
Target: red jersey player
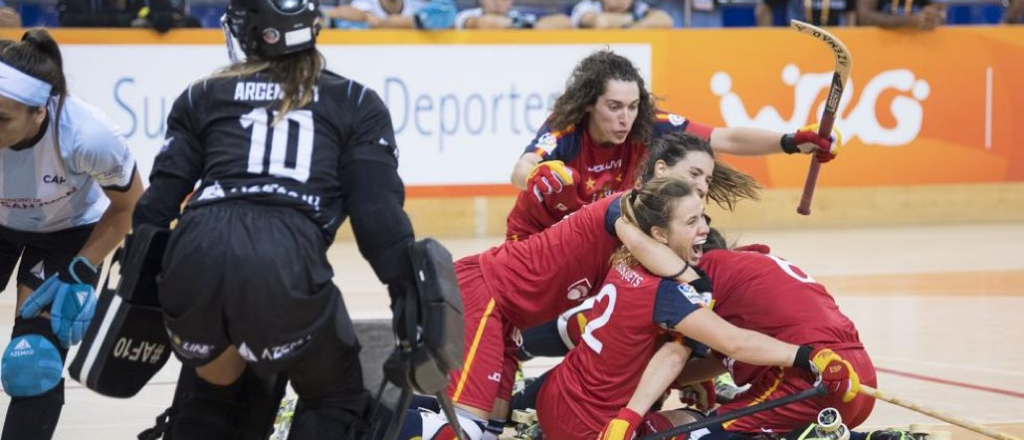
<point>598,133</point>
<point>520,284</point>
<point>765,293</point>
<point>595,380</point>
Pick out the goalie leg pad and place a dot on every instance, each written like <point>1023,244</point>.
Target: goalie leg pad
<point>333,402</point>
<point>244,409</point>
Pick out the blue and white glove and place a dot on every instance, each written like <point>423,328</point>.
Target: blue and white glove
<point>72,301</point>
<point>438,14</point>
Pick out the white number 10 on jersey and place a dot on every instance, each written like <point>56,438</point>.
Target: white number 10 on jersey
<point>279,148</point>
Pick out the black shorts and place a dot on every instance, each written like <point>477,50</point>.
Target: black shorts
<point>252,276</point>
<point>42,254</point>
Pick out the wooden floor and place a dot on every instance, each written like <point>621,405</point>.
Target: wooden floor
<point>940,309</point>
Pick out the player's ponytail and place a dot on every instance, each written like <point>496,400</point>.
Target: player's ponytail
<point>728,185</point>
<point>649,206</point>
<point>297,72</point>
<point>38,55</point>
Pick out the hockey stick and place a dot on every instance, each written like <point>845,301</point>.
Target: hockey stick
<point>844,62</point>
<point>980,429</point>
<point>817,391</point>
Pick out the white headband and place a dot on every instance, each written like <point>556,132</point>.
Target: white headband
<point>23,88</point>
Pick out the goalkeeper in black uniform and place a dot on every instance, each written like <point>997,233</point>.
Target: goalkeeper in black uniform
<point>284,152</point>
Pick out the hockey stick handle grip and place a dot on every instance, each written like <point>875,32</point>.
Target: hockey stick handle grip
<point>828,118</point>
<point>817,391</point>
<point>980,429</point>
<point>809,184</point>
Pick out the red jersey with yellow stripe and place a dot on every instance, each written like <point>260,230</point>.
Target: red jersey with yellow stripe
<point>536,279</point>
<point>624,329</point>
<point>762,292</point>
<point>602,171</point>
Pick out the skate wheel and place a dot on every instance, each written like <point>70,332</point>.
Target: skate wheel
<point>829,419</point>
<point>525,417</point>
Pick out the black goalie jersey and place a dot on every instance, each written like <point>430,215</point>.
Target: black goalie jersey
<point>222,132</point>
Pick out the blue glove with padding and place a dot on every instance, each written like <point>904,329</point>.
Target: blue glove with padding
<point>72,301</point>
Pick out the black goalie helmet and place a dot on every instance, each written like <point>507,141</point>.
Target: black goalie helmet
<point>271,28</point>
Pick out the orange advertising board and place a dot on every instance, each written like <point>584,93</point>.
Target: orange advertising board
<point>920,108</point>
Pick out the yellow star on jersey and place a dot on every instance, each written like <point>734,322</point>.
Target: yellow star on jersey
<point>590,183</point>
<point>618,178</point>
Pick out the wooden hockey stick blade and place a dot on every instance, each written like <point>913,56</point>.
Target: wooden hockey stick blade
<point>763,406</point>
<point>980,429</point>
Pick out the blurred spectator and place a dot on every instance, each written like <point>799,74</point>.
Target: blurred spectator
<point>160,15</point>
<point>8,16</point>
<point>764,12</point>
<point>920,14</point>
<point>830,12</point>
<point>1014,12</point>
<point>498,14</point>
<point>614,14</point>
<point>393,14</point>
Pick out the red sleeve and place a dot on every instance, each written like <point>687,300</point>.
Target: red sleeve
<point>698,129</point>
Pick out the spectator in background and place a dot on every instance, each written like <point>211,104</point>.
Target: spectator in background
<point>159,15</point>
<point>616,14</point>
<point>920,14</point>
<point>394,14</point>
<point>816,12</point>
<point>1014,12</point>
<point>498,14</point>
<point>8,16</point>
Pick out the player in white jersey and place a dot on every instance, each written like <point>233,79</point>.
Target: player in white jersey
<point>68,186</point>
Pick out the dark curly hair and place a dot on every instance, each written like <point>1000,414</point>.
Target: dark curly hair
<point>587,84</point>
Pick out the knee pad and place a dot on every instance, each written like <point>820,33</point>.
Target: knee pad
<point>32,364</point>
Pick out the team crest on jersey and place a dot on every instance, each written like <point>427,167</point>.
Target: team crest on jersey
<point>547,142</point>
<point>676,119</point>
<point>579,290</point>
<point>694,296</point>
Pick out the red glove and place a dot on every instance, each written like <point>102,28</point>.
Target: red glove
<point>825,149</point>
<point>830,369</point>
<point>565,202</point>
<point>700,396</point>
<point>547,178</point>
<point>622,427</point>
